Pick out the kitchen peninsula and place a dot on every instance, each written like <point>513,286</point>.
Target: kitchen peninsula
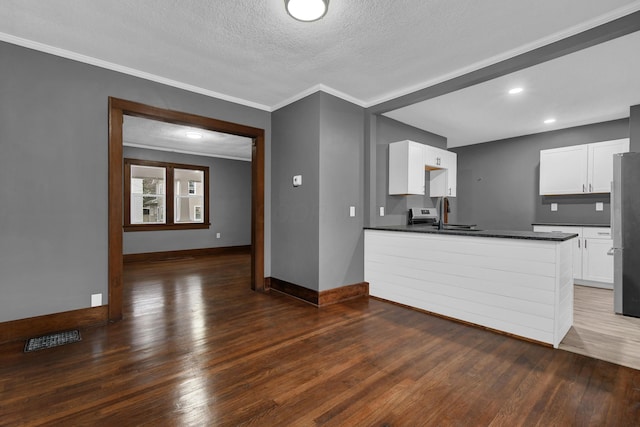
<point>515,282</point>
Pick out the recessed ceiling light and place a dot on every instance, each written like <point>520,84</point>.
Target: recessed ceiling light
<point>515,90</point>
<point>194,135</point>
<point>549,121</point>
<point>307,10</point>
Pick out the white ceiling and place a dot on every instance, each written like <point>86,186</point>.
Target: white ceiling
<point>589,86</point>
<point>253,53</point>
<point>156,135</point>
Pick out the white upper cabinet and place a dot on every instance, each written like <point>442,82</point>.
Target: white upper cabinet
<point>451,163</point>
<point>433,157</point>
<point>563,170</point>
<point>579,169</point>
<point>406,168</point>
<point>443,180</point>
<point>601,163</point>
<point>408,161</point>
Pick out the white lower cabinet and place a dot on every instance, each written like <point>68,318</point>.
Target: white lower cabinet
<point>597,265</point>
<point>592,266</point>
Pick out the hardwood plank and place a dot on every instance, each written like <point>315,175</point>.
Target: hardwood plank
<point>198,347</point>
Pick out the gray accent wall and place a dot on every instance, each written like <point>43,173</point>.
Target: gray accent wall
<point>341,238</point>
<point>498,182</point>
<point>53,174</point>
<point>229,206</point>
<point>295,210</point>
<point>316,244</point>
<point>397,207</point>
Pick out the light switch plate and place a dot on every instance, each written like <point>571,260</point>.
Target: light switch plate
<point>352,211</point>
<point>599,206</point>
<point>297,180</point>
<point>554,207</point>
<point>381,210</point>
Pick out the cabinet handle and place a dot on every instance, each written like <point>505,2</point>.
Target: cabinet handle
<point>590,190</point>
<point>583,188</point>
<point>578,243</point>
<point>604,233</point>
<point>449,190</point>
<point>585,243</point>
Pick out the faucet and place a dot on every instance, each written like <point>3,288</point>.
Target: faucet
<point>440,204</point>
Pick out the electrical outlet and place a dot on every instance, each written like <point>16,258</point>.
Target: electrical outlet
<point>381,210</point>
<point>599,206</point>
<point>554,207</point>
<point>352,211</point>
<point>297,180</point>
<point>217,235</point>
<point>96,300</point>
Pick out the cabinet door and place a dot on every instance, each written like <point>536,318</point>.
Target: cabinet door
<point>577,245</point>
<point>601,163</point>
<point>451,161</point>
<point>563,170</point>
<point>438,183</point>
<point>433,157</point>
<point>416,169</point>
<point>597,265</point>
<point>406,168</point>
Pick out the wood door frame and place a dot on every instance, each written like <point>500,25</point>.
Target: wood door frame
<point>118,108</point>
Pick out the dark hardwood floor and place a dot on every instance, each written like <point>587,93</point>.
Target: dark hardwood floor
<point>199,348</point>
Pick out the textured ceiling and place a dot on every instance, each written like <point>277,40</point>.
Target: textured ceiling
<point>365,51</point>
<point>156,135</point>
<point>251,51</point>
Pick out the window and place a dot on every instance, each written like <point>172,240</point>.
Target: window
<point>151,204</point>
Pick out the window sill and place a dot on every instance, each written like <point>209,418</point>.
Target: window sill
<point>160,227</point>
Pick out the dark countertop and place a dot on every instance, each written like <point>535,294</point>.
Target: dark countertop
<point>569,224</point>
<point>504,234</point>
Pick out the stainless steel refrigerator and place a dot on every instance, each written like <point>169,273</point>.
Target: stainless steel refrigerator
<point>625,228</point>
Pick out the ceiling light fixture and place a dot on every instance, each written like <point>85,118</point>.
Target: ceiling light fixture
<point>549,121</point>
<point>306,10</point>
<point>194,135</point>
<point>515,90</point>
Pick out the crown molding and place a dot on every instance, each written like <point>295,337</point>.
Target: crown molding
<point>126,70</point>
<point>319,88</point>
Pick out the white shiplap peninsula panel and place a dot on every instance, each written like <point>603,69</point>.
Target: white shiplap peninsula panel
<point>519,286</point>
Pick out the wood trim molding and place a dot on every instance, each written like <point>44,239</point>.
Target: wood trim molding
<point>343,293</point>
<point>319,299</point>
<point>120,107</point>
<point>186,253</point>
<point>40,325</point>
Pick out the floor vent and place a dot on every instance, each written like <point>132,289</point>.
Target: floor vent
<point>52,340</point>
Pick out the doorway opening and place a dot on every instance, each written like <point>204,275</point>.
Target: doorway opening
<point>118,108</point>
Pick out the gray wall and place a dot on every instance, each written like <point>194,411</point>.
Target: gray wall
<point>634,129</point>
<point>229,206</point>
<point>295,210</point>
<point>341,237</point>
<point>498,182</point>
<point>53,170</point>
<point>315,243</point>
<point>396,207</point>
